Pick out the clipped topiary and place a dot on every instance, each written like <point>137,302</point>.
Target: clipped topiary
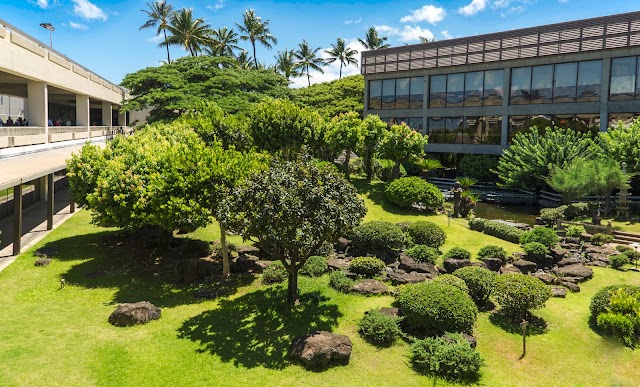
<point>423,253</point>
<point>406,191</point>
<point>274,273</point>
<point>544,235</point>
<point>426,233</point>
<point>480,282</point>
<point>314,267</point>
<point>535,250</point>
<point>622,317</point>
<point>600,239</point>
<point>574,231</point>
<point>618,261</point>
<point>492,251</point>
<point>450,357</point>
<point>433,308</point>
<point>600,300</point>
<point>366,266</point>
<point>379,328</point>
<point>340,282</point>
<point>551,215</point>
<point>517,294</point>
<point>451,279</point>
<point>457,253</point>
<point>378,236</point>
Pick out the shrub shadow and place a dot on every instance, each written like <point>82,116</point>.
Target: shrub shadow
<point>257,328</point>
<point>375,192</point>
<point>536,325</point>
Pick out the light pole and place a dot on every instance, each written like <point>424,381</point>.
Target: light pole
<point>635,249</point>
<point>51,28</point>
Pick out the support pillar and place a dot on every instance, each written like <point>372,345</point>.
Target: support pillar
<point>17,219</point>
<point>50,200</point>
<point>38,105</point>
<point>604,95</point>
<point>106,114</point>
<point>82,111</point>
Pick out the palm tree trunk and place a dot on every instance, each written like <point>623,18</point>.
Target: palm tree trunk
<point>308,76</point>
<point>165,39</point>
<point>340,70</point>
<point>255,59</point>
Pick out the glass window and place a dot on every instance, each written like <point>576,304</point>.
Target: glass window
<point>471,135</point>
<point>541,122</point>
<point>518,124</point>
<point>493,87</point>
<point>437,130</point>
<point>541,84</point>
<point>437,91</point>
<point>565,81</point>
<point>589,81</point>
<point>638,81</point>
<point>455,90</point>
<point>625,118</point>
<point>623,78</point>
<point>455,130</point>
<point>375,94</point>
<point>417,92</point>
<point>520,86</point>
<point>473,86</point>
<point>415,123</point>
<point>388,93</point>
<point>402,93</point>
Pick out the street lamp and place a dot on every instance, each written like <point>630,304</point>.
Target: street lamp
<point>51,28</point>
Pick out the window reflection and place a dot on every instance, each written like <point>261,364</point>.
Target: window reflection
<point>388,93</point>
<point>520,86</point>
<point>493,87</point>
<point>541,84</point>
<point>437,131</point>
<point>589,81</point>
<point>473,89</point>
<point>437,91</point>
<point>375,94</point>
<point>402,93</point>
<point>565,81</point>
<point>465,130</point>
<point>417,92</point>
<point>455,90</point>
<point>623,78</point>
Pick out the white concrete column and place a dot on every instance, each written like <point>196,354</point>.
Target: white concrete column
<point>106,114</point>
<point>38,105</point>
<point>82,111</point>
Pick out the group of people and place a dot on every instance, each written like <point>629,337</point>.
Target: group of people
<point>18,122</point>
<point>58,122</point>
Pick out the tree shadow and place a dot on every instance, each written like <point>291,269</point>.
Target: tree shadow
<point>257,328</point>
<point>536,325</point>
<point>374,191</point>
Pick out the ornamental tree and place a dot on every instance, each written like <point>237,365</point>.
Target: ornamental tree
<point>402,144</point>
<point>291,210</point>
<point>345,135</point>
<point>622,143</point>
<point>373,130</point>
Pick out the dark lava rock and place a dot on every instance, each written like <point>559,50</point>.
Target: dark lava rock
<point>509,270</point>
<point>320,348</point>
<point>370,287</point>
<point>245,263</point>
<point>546,278</point>
<point>134,314</point>
<point>569,261</point>
<point>259,266</point>
<point>559,292</point>
<point>409,264</point>
<point>545,261</point>
<point>342,244</point>
<point>559,253</point>
<point>46,252</point>
<point>453,264</point>
<point>400,278</point>
<point>392,312</point>
<point>42,262</point>
<point>571,286</point>
<point>597,263</point>
<point>335,264</point>
<point>248,250</point>
<point>493,264</point>
<point>525,266</point>
<point>581,271</point>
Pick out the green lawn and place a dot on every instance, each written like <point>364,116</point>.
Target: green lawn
<point>50,336</point>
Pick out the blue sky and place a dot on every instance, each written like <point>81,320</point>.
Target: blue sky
<point>103,35</point>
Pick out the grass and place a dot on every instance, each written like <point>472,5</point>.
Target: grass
<point>51,336</point>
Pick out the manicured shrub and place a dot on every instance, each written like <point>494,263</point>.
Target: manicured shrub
<point>274,273</point>
<point>426,233</point>
<point>574,231</point>
<point>618,261</point>
<point>450,357</point>
<point>457,253</point>
<point>385,168</point>
<point>451,279</point>
<point>379,328</point>
<point>544,235</point>
<point>340,282</point>
<point>623,248</point>
<point>479,281</point>
<point>406,191</point>
<point>576,210</point>
<point>477,224</point>
<point>496,228</point>
<point>600,300</point>
<point>551,215</point>
<point>314,267</point>
<point>366,266</point>
<point>518,294</point>
<point>622,317</point>
<point>492,251</point>
<point>432,308</point>
<point>423,253</point>
<point>600,239</point>
<point>535,250</point>
<point>378,236</point>
<point>325,249</point>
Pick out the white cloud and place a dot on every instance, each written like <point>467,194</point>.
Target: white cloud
<point>156,39</point>
<point>78,26</point>
<point>407,34</point>
<point>354,21</point>
<point>472,8</point>
<point>445,34</point>
<point>429,13</point>
<point>87,10</point>
<point>218,5</point>
<point>513,11</point>
<point>332,71</point>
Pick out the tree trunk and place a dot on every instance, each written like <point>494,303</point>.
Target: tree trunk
<point>165,39</point>
<point>308,76</point>
<point>255,58</point>
<point>340,70</point>
<point>368,168</point>
<point>225,251</point>
<point>292,290</point>
<point>395,171</point>
<point>347,157</point>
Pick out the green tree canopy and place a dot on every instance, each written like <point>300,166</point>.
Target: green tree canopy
<point>335,97</point>
<point>373,130</point>
<point>345,135</point>
<point>623,144</point>
<point>402,144</point>
<point>215,125</point>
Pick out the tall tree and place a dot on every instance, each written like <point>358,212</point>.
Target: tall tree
<point>308,58</point>
<point>373,130</point>
<point>402,144</point>
<point>159,14</point>
<point>255,30</point>
<point>286,64</point>
<point>373,41</point>
<point>224,42</point>
<point>245,61</point>
<point>192,34</point>
<point>345,135</point>
<point>340,52</point>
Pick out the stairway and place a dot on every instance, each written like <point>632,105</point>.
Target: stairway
<point>626,238</point>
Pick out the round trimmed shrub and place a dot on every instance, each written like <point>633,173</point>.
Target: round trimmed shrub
<point>325,249</point>
<point>600,300</point>
<point>340,282</point>
<point>517,294</point>
<point>535,250</point>
<point>379,328</point>
<point>406,191</point>
<point>450,357</point>
<point>480,282</point>
<point>574,231</point>
<point>433,308</point>
<point>600,239</point>
<point>426,233</point>
<point>623,248</point>
<point>378,236</point>
<point>451,279</point>
<point>315,266</point>
<point>274,273</point>
<point>423,253</point>
<point>618,261</point>
<point>544,235</point>
<point>551,215</point>
<point>457,253</point>
<point>366,266</point>
<point>492,251</point>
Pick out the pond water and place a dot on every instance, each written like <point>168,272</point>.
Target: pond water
<point>514,213</point>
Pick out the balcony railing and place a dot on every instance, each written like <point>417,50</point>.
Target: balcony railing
<point>18,136</point>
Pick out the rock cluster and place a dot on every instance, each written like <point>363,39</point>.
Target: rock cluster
<point>320,348</point>
<point>134,314</point>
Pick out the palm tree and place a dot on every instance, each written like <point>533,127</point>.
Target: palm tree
<point>245,61</point>
<point>340,52</point>
<point>286,64</point>
<point>224,42</point>
<point>372,41</point>
<point>427,40</point>
<point>159,14</point>
<point>190,33</point>
<point>308,59</point>
<point>255,30</point>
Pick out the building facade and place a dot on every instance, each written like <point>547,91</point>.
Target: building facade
<point>473,95</point>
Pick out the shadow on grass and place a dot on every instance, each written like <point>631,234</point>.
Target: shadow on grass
<point>536,325</point>
<point>131,263</point>
<point>257,328</point>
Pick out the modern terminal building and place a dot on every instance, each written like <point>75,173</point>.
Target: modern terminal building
<point>472,95</point>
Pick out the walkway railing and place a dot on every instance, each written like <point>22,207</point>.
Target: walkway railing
<point>18,136</point>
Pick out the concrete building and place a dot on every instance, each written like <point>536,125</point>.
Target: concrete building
<point>472,95</point>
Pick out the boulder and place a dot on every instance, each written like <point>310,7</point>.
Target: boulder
<point>597,263</point>
<point>572,241</point>
<point>319,348</point>
<point>245,263</point>
<point>573,280</point>
<point>479,264</point>
<point>453,264</point>
<point>518,255</point>
<point>580,271</point>
<point>42,262</point>
<point>569,261</point>
<point>597,257</point>
<point>399,277</point>
<point>134,314</point>
<point>197,269</point>
<point>336,264</point>
<point>409,264</point>
<point>259,266</point>
<point>342,244</point>
<point>525,266</point>
<point>558,253</point>
<point>558,292</point>
<point>392,312</point>
<point>571,286</point>
<point>370,287</point>
<point>248,250</point>
<point>545,261</point>
<point>546,278</point>
<point>509,269</point>
<point>493,264</point>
